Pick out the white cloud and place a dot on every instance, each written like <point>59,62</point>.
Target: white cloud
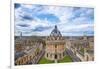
<point>63,13</point>
<point>76,28</point>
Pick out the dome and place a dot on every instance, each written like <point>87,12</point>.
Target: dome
<point>55,34</point>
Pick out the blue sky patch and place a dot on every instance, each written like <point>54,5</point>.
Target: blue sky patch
<point>71,21</point>
<point>50,17</point>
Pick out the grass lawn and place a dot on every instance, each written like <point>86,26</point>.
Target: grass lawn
<point>65,59</point>
<point>43,60</point>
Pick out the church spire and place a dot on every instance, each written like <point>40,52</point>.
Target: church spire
<point>84,36</point>
<point>20,35</point>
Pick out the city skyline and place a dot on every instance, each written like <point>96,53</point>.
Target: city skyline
<point>39,20</point>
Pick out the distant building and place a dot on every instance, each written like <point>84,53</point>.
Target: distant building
<point>20,35</point>
<point>83,48</point>
<point>26,50</point>
<point>55,46</point>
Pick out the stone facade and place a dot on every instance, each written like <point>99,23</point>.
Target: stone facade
<point>55,46</point>
<point>27,51</point>
<point>83,48</point>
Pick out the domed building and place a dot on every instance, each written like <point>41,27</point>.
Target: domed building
<point>55,46</point>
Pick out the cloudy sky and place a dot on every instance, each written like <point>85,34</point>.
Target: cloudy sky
<point>39,20</point>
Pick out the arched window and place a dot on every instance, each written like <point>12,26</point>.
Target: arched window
<point>55,46</point>
<point>55,56</point>
<point>47,54</point>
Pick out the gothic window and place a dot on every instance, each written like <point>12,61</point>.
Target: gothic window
<point>47,54</point>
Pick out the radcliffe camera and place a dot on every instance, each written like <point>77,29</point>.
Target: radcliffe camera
<point>47,34</point>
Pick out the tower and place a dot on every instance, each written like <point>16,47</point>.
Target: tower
<point>55,46</point>
<point>84,36</point>
<point>20,35</point>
